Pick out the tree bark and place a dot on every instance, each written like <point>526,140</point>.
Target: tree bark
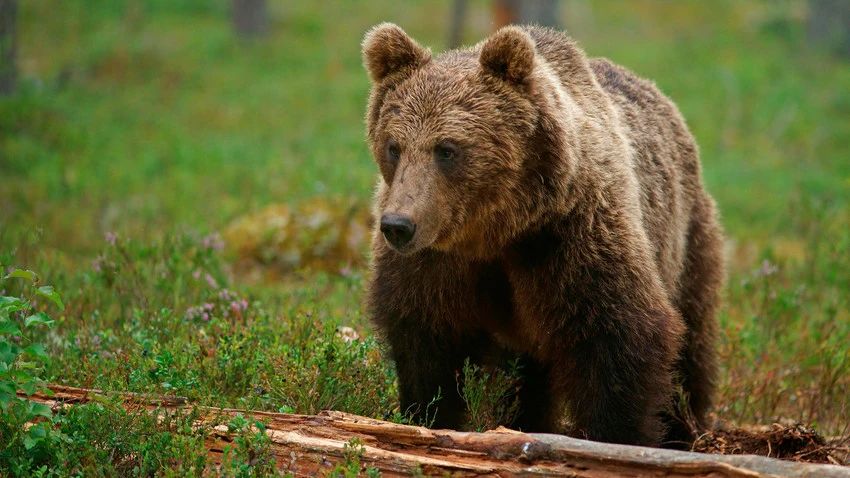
<point>456,23</point>
<point>527,12</point>
<point>829,25</point>
<point>250,18</point>
<point>8,46</point>
<point>306,445</point>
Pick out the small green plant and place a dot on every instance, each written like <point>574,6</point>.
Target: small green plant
<point>250,455</point>
<point>24,424</point>
<point>408,416</point>
<point>352,465</point>
<point>490,395</point>
<point>328,373</point>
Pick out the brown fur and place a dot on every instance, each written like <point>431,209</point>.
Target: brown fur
<point>571,229</point>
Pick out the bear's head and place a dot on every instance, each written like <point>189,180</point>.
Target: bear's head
<point>469,144</point>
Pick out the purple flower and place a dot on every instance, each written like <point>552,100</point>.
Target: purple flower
<point>97,264</point>
<point>193,313</point>
<point>203,312</point>
<point>239,305</point>
<point>766,269</point>
<point>213,242</point>
<point>111,238</point>
<point>211,281</point>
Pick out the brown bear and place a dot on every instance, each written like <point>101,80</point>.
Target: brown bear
<point>536,203</point>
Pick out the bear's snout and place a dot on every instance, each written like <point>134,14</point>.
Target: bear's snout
<point>397,229</point>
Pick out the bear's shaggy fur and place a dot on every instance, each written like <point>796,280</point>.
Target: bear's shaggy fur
<point>559,217</point>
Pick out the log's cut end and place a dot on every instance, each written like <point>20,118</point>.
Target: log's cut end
<point>310,445</point>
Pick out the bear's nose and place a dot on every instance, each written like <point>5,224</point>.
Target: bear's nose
<point>397,229</point>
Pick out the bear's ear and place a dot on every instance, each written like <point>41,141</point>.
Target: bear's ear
<point>509,54</point>
<point>387,49</point>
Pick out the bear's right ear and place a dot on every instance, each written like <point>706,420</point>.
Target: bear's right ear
<point>509,54</point>
<point>387,49</point>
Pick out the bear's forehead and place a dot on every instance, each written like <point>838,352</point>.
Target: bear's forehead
<point>451,80</point>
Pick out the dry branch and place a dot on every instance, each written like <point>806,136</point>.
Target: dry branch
<point>312,444</point>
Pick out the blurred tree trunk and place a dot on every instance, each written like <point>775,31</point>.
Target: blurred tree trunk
<point>829,24</point>
<point>250,18</point>
<point>456,28</point>
<point>536,12</point>
<point>8,69</point>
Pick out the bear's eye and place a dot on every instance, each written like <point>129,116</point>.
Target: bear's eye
<point>446,152</point>
<point>393,151</point>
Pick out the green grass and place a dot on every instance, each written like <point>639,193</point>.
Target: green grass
<point>150,120</point>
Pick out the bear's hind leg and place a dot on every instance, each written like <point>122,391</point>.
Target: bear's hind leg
<point>699,296</point>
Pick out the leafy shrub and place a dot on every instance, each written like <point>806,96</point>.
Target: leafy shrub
<point>329,373</point>
<point>250,455</point>
<point>490,395</point>
<point>25,426</point>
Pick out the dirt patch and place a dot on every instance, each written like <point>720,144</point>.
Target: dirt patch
<point>789,442</point>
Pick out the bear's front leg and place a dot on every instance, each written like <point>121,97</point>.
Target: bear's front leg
<point>620,378</point>
<point>428,365</point>
<point>425,307</point>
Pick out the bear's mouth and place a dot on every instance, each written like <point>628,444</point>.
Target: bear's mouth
<point>422,238</point>
<point>415,245</point>
<point>404,250</point>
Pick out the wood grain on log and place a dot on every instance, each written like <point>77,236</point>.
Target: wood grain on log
<point>312,444</point>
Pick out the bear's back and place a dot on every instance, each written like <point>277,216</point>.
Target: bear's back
<point>666,161</point>
<point>665,154</point>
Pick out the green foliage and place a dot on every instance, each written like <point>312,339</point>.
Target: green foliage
<point>790,353</point>
<point>352,466</point>
<point>491,395</point>
<point>326,373</point>
<point>103,439</point>
<point>249,456</point>
<point>25,426</point>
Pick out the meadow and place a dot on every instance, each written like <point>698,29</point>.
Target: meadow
<point>147,150</point>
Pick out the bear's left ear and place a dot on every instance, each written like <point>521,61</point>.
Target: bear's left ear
<point>388,49</point>
<point>509,54</point>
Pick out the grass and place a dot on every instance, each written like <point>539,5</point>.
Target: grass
<point>141,129</point>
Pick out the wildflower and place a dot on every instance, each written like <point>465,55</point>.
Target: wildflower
<point>767,269</point>
<point>111,238</point>
<point>239,306</point>
<point>211,281</point>
<point>213,242</point>
<point>97,264</point>
<point>193,313</point>
<point>203,312</point>
<point>347,334</point>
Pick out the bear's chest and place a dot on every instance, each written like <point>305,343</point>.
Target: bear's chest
<point>494,295</point>
<point>505,311</point>
<point>529,288</point>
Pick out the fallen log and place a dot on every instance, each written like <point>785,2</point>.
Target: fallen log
<point>307,445</point>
